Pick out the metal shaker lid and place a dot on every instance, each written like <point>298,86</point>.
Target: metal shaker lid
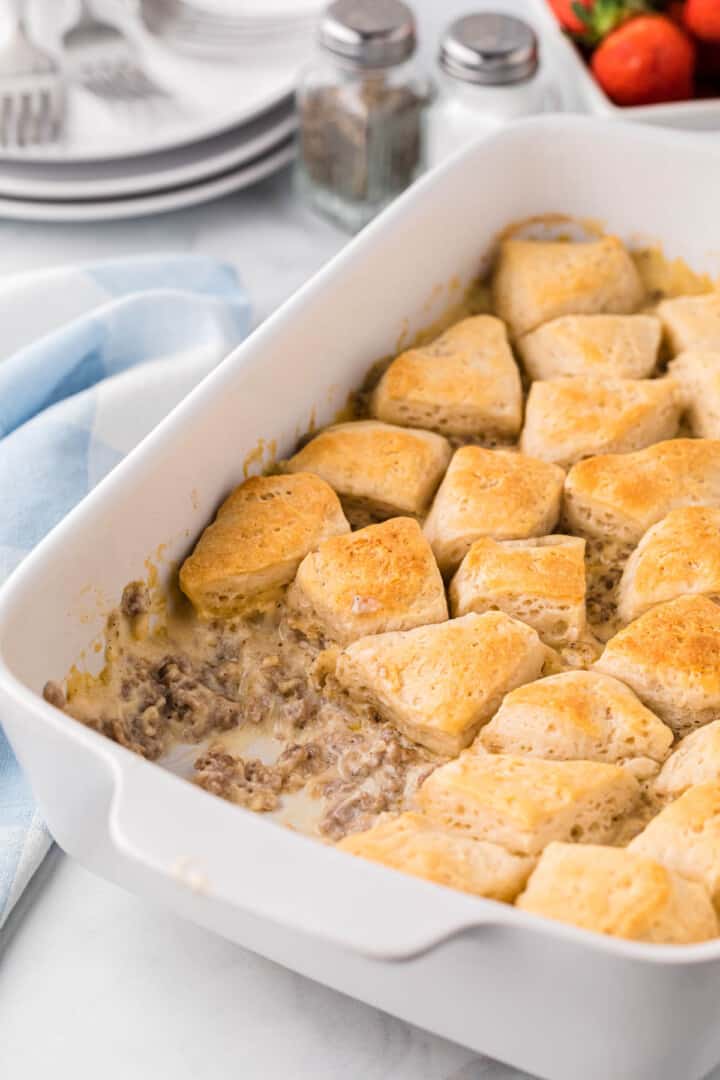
<point>491,49</point>
<point>369,33</point>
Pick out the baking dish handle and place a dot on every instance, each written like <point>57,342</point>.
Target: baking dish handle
<point>211,861</point>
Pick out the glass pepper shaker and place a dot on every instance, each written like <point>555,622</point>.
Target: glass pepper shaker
<point>361,111</point>
<point>489,75</point>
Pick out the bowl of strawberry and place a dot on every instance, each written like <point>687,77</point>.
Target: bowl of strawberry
<point>655,60</point>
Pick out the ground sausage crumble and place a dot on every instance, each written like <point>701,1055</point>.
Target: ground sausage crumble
<point>226,685</point>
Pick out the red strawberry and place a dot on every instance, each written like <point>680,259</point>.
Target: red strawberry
<point>702,18</point>
<point>600,17</point>
<point>564,11</point>
<point>644,61</point>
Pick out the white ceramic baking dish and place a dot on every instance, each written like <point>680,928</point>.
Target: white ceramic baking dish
<point>699,114</point>
<point>545,997</point>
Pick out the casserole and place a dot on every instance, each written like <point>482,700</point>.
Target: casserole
<point>548,998</point>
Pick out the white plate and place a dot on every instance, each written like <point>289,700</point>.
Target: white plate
<point>207,98</point>
<point>194,28</point>
<point>261,9</point>
<point>158,202</point>
<point>150,172</point>
<point>188,14</point>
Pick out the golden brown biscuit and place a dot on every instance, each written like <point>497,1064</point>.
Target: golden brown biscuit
<point>622,346</point>
<point>697,374</point>
<point>678,556</point>
<point>523,803</point>
<point>570,419</point>
<point>383,577</point>
<point>438,684</point>
<point>670,657</point>
<point>619,496</point>
<point>415,845</point>
<point>695,760</point>
<point>691,322</point>
<point>579,716</point>
<point>535,281</point>
<point>685,837</point>
<point>618,892</point>
<point>466,382</point>
<point>261,532</point>
<point>378,470</point>
<point>541,581</point>
<point>497,493</point>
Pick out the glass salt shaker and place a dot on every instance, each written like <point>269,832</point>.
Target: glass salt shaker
<point>490,74</point>
<point>361,109</point>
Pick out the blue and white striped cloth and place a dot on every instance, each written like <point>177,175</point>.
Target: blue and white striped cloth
<point>91,358</point>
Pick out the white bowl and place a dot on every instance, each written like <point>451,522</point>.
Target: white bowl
<point>548,998</point>
<point>697,115</point>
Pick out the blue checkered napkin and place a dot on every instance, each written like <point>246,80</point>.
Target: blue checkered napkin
<point>91,358</point>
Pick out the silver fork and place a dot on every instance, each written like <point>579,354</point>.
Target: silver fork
<point>102,58</point>
<point>32,97</point>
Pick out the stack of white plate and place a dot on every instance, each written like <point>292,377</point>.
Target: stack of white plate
<point>196,26</point>
<point>227,122</point>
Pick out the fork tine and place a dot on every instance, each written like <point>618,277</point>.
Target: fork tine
<point>46,130</point>
<point>24,119</point>
<point>57,110</point>
<point>34,116</point>
<point>115,82</point>
<point>43,116</point>
<point>29,76</point>
<point>6,108</point>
